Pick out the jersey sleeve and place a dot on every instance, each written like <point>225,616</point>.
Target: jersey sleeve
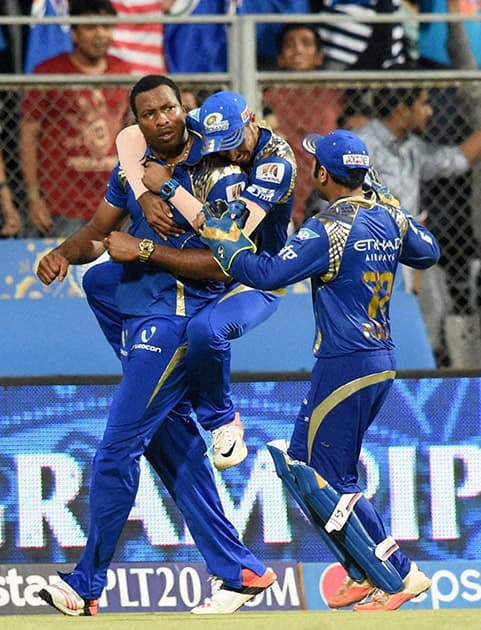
<point>271,181</point>
<point>420,248</point>
<point>305,254</point>
<point>116,193</point>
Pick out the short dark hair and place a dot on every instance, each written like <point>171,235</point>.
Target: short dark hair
<point>91,7</point>
<point>295,27</point>
<point>386,100</point>
<point>150,82</point>
<point>355,179</point>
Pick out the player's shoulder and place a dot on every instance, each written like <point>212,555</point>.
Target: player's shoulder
<point>273,145</point>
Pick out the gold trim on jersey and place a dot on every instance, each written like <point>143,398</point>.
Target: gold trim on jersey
<point>277,146</point>
<point>180,299</point>
<point>207,173</point>
<point>242,288</point>
<point>336,397</point>
<point>176,357</point>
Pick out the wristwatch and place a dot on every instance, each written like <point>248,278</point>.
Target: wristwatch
<point>167,190</point>
<point>146,247</point>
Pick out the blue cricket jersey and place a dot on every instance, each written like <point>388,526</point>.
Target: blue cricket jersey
<point>351,251</point>
<point>145,288</point>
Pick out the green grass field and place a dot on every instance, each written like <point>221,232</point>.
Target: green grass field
<point>288,620</point>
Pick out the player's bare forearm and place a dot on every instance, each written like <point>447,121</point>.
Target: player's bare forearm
<point>194,264</point>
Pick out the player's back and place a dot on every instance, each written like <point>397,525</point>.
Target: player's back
<point>352,298</point>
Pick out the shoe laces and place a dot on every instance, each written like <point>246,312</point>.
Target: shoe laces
<point>224,437</point>
<point>380,596</point>
<point>215,586</point>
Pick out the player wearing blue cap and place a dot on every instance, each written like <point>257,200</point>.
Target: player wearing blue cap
<point>149,414</point>
<point>231,134</point>
<point>350,251</point>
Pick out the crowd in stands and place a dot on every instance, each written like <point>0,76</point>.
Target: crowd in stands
<point>66,137</point>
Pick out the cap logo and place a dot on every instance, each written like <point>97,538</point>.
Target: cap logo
<point>215,122</point>
<point>355,159</point>
<point>245,115</point>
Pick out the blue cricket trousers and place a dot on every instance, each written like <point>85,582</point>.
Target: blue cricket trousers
<point>345,396</point>
<point>147,416</point>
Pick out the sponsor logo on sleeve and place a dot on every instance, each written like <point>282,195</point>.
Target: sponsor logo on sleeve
<point>270,172</point>
<point>234,191</point>
<point>265,194</point>
<point>305,234</point>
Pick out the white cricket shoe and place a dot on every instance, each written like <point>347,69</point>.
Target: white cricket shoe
<point>63,597</point>
<point>224,600</point>
<point>229,446</point>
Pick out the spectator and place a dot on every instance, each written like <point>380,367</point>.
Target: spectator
<point>459,223</point>
<point>302,107</point>
<point>359,45</point>
<point>434,37</point>
<point>141,45</point>
<point>47,40</point>
<point>11,222</point>
<point>197,47</point>
<point>67,137</point>
<point>404,160</point>
<point>267,34</point>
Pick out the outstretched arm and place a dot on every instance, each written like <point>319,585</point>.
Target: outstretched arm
<point>83,246</point>
<point>194,264</point>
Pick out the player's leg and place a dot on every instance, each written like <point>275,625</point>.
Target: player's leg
<point>177,452</point>
<point>345,396</point>
<point>153,383</point>
<point>100,285</point>
<point>208,364</point>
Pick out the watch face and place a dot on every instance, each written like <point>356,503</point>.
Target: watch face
<point>146,247</point>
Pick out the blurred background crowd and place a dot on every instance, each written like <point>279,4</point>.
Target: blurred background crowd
<point>424,135</point>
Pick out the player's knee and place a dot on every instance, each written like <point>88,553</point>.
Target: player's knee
<point>100,281</point>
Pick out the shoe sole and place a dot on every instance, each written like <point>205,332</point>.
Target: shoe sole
<point>258,584</point>
<point>224,465</point>
<point>361,594</point>
<point>395,601</point>
<point>47,597</point>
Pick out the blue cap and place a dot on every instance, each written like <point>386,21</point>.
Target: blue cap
<point>339,151</point>
<point>223,120</point>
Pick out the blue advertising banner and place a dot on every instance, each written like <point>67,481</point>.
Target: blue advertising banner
<point>420,465</point>
<point>141,587</point>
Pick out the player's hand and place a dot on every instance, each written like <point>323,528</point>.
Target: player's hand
<point>52,265</point>
<point>159,215</point>
<point>155,175</point>
<point>122,247</point>
<point>40,215</point>
<point>221,230</point>
<point>12,221</point>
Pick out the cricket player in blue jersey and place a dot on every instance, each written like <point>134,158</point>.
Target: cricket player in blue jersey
<point>232,135</point>
<point>350,251</point>
<point>149,414</point>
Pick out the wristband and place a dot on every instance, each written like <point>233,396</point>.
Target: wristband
<point>167,190</point>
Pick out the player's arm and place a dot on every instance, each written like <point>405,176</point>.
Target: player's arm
<point>193,264</point>
<point>131,148</point>
<point>304,255</point>
<point>420,248</point>
<point>83,246</point>
<point>157,175</point>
